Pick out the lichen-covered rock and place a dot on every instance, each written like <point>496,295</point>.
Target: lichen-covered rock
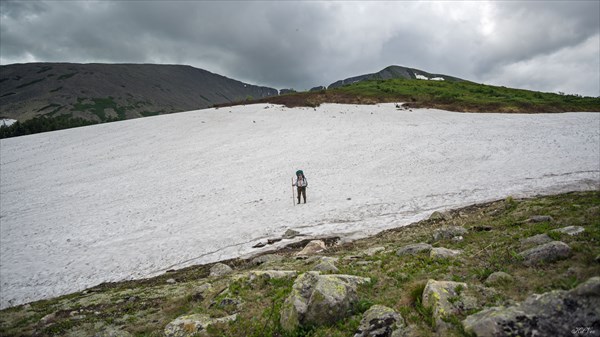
<point>312,248</point>
<point>554,313</point>
<point>570,230</point>
<point>191,325</point>
<point>443,253</point>
<point>448,232</point>
<point>220,269</point>
<point>271,274</point>
<point>326,266</point>
<point>379,321</point>
<point>549,252</point>
<point>535,240</point>
<point>413,249</point>
<point>446,298</point>
<point>320,300</point>
<point>498,277</point>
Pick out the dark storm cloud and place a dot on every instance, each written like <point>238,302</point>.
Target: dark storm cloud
<point>548,46</point>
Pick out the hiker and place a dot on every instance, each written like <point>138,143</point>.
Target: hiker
<point>301,183</point>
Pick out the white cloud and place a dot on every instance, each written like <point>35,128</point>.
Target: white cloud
<point>572,70</point>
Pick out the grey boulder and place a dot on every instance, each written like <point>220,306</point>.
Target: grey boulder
<point>413,249</point>
<point>320,300</point>
<point>555,313</point>
<point>379,321</point>
<point>549,252</point>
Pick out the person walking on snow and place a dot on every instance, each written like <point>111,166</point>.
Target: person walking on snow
<point>301,184</point>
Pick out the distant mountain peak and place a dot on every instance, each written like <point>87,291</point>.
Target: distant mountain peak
<point>395,71</point>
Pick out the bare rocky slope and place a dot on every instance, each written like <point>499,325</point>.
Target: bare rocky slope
<point>101,92</point>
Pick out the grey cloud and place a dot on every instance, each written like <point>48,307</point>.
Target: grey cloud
<point>304,44</point>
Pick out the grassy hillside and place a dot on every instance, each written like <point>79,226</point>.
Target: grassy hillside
<point>453,96</point>
<point>494,238</point>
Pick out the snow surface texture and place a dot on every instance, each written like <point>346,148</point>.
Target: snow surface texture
<point>135,198</point>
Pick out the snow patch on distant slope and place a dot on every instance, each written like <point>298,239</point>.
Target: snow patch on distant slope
<point>7,122</point>
<point>423,77</point>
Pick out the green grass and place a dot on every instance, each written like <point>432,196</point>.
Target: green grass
<point>449,95</point>
<point>468,95</point>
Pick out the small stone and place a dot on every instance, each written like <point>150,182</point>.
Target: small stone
<point>259,245</point>
<point>448,232</point>
<point>413,249</point>
<point>290,234</point>
<point>268,258</point>
<point>50,318</point>
<point>540,218</point>
<point>536,240</point>
<point>312,248</point>
<point>498,277</point>
<point>457,238</point>
<point>220,269</point>
<point>549,252</point>
<point>570,230</point>
<point>171,281</point>
<point>444,253</point>
<point>437,215</point>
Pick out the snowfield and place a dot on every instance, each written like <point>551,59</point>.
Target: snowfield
<point>133,199</point>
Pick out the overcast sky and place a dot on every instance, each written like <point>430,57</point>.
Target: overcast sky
<point>540,45</point>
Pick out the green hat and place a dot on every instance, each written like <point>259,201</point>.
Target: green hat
<point>299,172</point>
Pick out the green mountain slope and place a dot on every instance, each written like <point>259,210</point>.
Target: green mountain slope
<point>392,72</point>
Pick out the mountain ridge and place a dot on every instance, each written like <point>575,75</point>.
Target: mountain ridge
<point>101,92</point>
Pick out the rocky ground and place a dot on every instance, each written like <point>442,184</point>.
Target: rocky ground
<point>511,267</point>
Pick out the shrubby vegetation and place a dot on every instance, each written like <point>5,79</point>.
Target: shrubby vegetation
<point>44,124</point>
<point>469,96</point>
<point>454,96</point>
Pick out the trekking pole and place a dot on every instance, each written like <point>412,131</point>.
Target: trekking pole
<point>293,196</point>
